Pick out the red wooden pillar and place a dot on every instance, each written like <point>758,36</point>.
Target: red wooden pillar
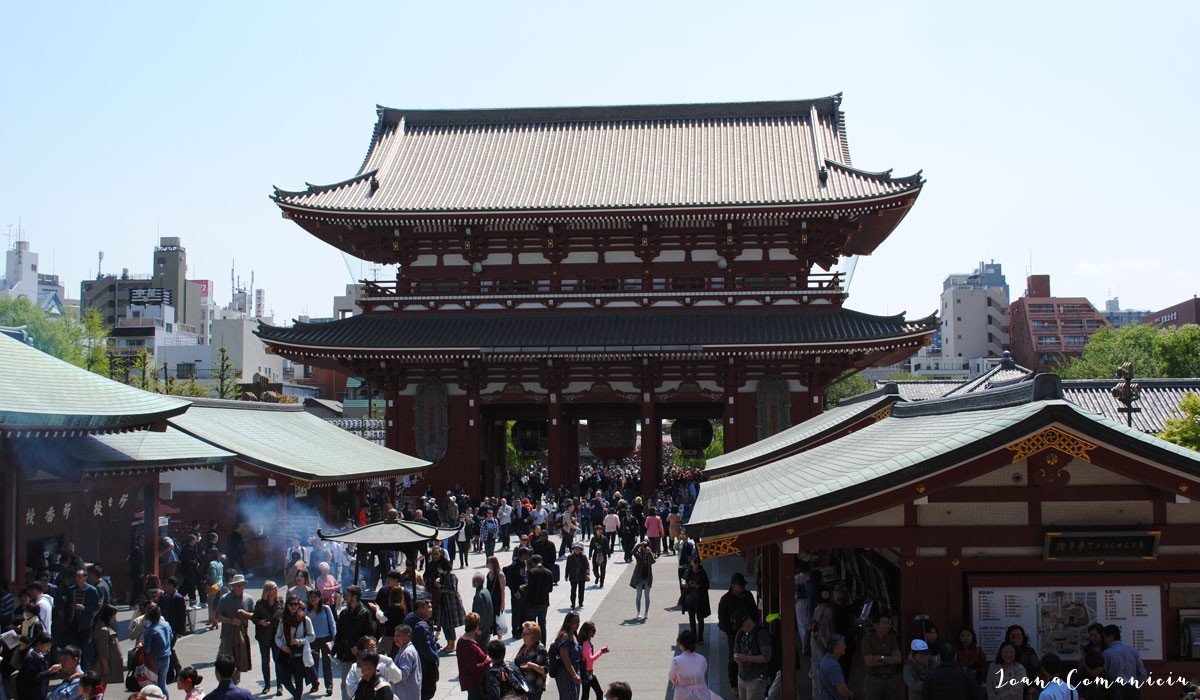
<point>651,466</point>
<point>400,435</point>
<point>787,617</point>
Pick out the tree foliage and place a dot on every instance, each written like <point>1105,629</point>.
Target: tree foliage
<point>1184,430</point>
<point>60,336</point>
<point>1154,352</point>
<point>95,342</point>
<point>143,373</point>
<point>849,385</point>
<point>226,375</point>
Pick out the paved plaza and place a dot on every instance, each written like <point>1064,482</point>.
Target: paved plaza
<point>641,652</point>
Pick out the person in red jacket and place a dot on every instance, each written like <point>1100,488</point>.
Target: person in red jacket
<point>473,661</point>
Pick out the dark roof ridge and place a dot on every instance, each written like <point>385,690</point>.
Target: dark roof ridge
<point>389,116</point>
<point>247,405</point>
<point>1159,381</point>
<point>914,180</point>
<point>889,389</point>
<point>313,189</point>
<point>1043,387</point>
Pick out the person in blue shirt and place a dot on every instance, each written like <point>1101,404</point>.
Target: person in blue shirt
<point>158,639</point>
<point>324,624</point>
<point>72,671</point>
<point>1122,662</point>
<point>831,683</point>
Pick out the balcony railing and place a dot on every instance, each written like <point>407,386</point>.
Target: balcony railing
<point>601,288</point>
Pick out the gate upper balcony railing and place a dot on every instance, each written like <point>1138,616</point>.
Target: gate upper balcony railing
<point>827,286</point>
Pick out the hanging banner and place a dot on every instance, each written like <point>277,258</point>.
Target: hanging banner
<point>1056,619</point>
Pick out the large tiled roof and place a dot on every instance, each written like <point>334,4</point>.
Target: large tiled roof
<point>597,158</point>
<point>917,440</point>
<point>798,437</point>
<point>286,440</point>
<point>1159,399</point>
<point>42,394</point>
<point>615,331</point>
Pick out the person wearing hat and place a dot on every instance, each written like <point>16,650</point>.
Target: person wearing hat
<point>578,573</point>
<point>234,612</point>
<point>916,667</point>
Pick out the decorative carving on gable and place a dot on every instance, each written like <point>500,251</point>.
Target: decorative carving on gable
<point>882,413</point>
<point>709,549</point>
<point>1048,468</point>
<point>1051,439</point>
<point>431,424</point>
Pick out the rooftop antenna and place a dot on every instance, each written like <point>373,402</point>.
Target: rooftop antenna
<point>99,264</point>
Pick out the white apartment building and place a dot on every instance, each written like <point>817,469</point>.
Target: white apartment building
<point>974,324</point>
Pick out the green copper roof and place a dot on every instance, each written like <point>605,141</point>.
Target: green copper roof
<point>917,440</point>
<point>120,453</point>
<point>285,440</point>
<point>42,393</point>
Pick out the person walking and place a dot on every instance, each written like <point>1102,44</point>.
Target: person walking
<point>576,571</point>
<point>158,640</point>
<point>590,654</point>
<point>448,608</point>
<point>567,659</point>
<point>408,664</point>
<point>473,661</point>
<point>371,686</point>
<point>643,576</point>
<point>654,530</point>
<point>752,654</point>
<point>689,671</point>
<point>110,662</point>
<point>294,638</point>
<point>537,591</point>
<point>695,598</point>
<point>425,642</point>
<point>268,611</point>
<point>234,611</point>
<point>533,660</point>
<point>324,625</point>
<point>598,552</point>
<point>495,584</point>
<point>481,605</point>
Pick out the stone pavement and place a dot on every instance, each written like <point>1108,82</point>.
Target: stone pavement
<point>641,652</point>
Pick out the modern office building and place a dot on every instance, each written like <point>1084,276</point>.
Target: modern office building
<point>974,318</point>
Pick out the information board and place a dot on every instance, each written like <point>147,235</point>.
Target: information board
<point>1057,618</point>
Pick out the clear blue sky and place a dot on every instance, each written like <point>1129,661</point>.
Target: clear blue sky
<point>1062,135</point>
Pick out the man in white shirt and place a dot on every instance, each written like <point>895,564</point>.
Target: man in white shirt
<point>45,606</point>
<point>504,517</point>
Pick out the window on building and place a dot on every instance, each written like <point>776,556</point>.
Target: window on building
<point>1047,340</point>
<point>959,319</point>
<point>185,370</point>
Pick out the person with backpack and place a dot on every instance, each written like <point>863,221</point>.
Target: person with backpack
<point>752,654</point>
<point>371,686</point>
<point>566,659</point>
<point>504,681</point>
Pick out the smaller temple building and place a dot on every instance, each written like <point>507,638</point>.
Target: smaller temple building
<point>992,508</point>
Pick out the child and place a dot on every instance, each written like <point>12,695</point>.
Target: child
<point>590,654</point>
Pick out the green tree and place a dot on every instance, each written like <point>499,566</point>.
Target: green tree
<point>227,375</point>
<point>143,373</point>
<point>60,337</point>
<point>95,343</point>
<point>1178,351</point>
<point>1154,352</point>
<point>845,387</point>
<point>1184,430</point>
<point>188,388</point>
